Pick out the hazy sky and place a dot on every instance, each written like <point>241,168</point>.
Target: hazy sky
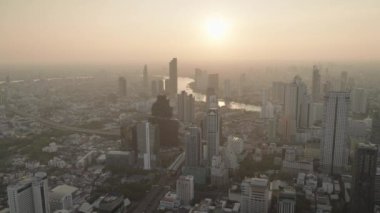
<point>118,31</point>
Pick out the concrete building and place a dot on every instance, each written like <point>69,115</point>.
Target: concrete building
<point>219,171</point>
<point>363,178</point>
<point>185,107</point>
<point>119,159</point>
<point>185,189</point>
<point>334,146</point>
<point>169,201</point>
<point>61,197</point>
<point>255,195</point>
<point>112,203</point>
<point>30,195</point>
<point>287,201</point>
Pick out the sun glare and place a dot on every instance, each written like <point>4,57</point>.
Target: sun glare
<point>216,28</point>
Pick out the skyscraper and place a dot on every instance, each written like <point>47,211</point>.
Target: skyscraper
<point>193,147</point>
<point>122,86</point>
<point>185,189</point>
<point>213,134</point>
<point>29,196</point>
<point>278,92</point>
<point>173,77</point>
<point>254,196</point>
<point>147,144</point>
<point>334,146</point>
<point>316,84</point>
<point>218,171</point>
<point>185,106</point>
<point>363,178</point>
<point>295,92</point>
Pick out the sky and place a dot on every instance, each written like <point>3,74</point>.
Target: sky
<point>141,31</point>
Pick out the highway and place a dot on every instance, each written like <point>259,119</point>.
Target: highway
<point>59,126</point>
<point>152,200</point>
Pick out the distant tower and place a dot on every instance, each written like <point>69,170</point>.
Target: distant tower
<point>227,89</point>
<point>122,86</point>
<point>211,99</point>
<point>173,77</point>
<point>145,77</point>
<point>359,101</point>
<point>343,81</point>
<point>334,146</point>
<point>154,89</point>
<point>213,82</point>
<point>185,105</point>
<point>363,178</point>
<point>193,147</point>
<point>316,84</point>
<point>213,133</point>
<point>31,195</point>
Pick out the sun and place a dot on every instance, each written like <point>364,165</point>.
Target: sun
<point>216,28</point>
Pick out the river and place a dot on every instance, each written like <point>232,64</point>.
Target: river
<point>184,84</point>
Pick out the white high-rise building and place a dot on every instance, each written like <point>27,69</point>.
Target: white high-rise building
<point>255,195</point>
<point>334,146</point>
<point>185,189</point>
<point>359,101</point>
<point>185,106</point>
<point>193,147</point>
<point>146,143</point>
<point>287,201</point>
<point>29,196</point>
<point>213,133</point>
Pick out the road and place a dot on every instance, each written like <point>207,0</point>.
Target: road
<point>152,199</point>
<point>59,126</point>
